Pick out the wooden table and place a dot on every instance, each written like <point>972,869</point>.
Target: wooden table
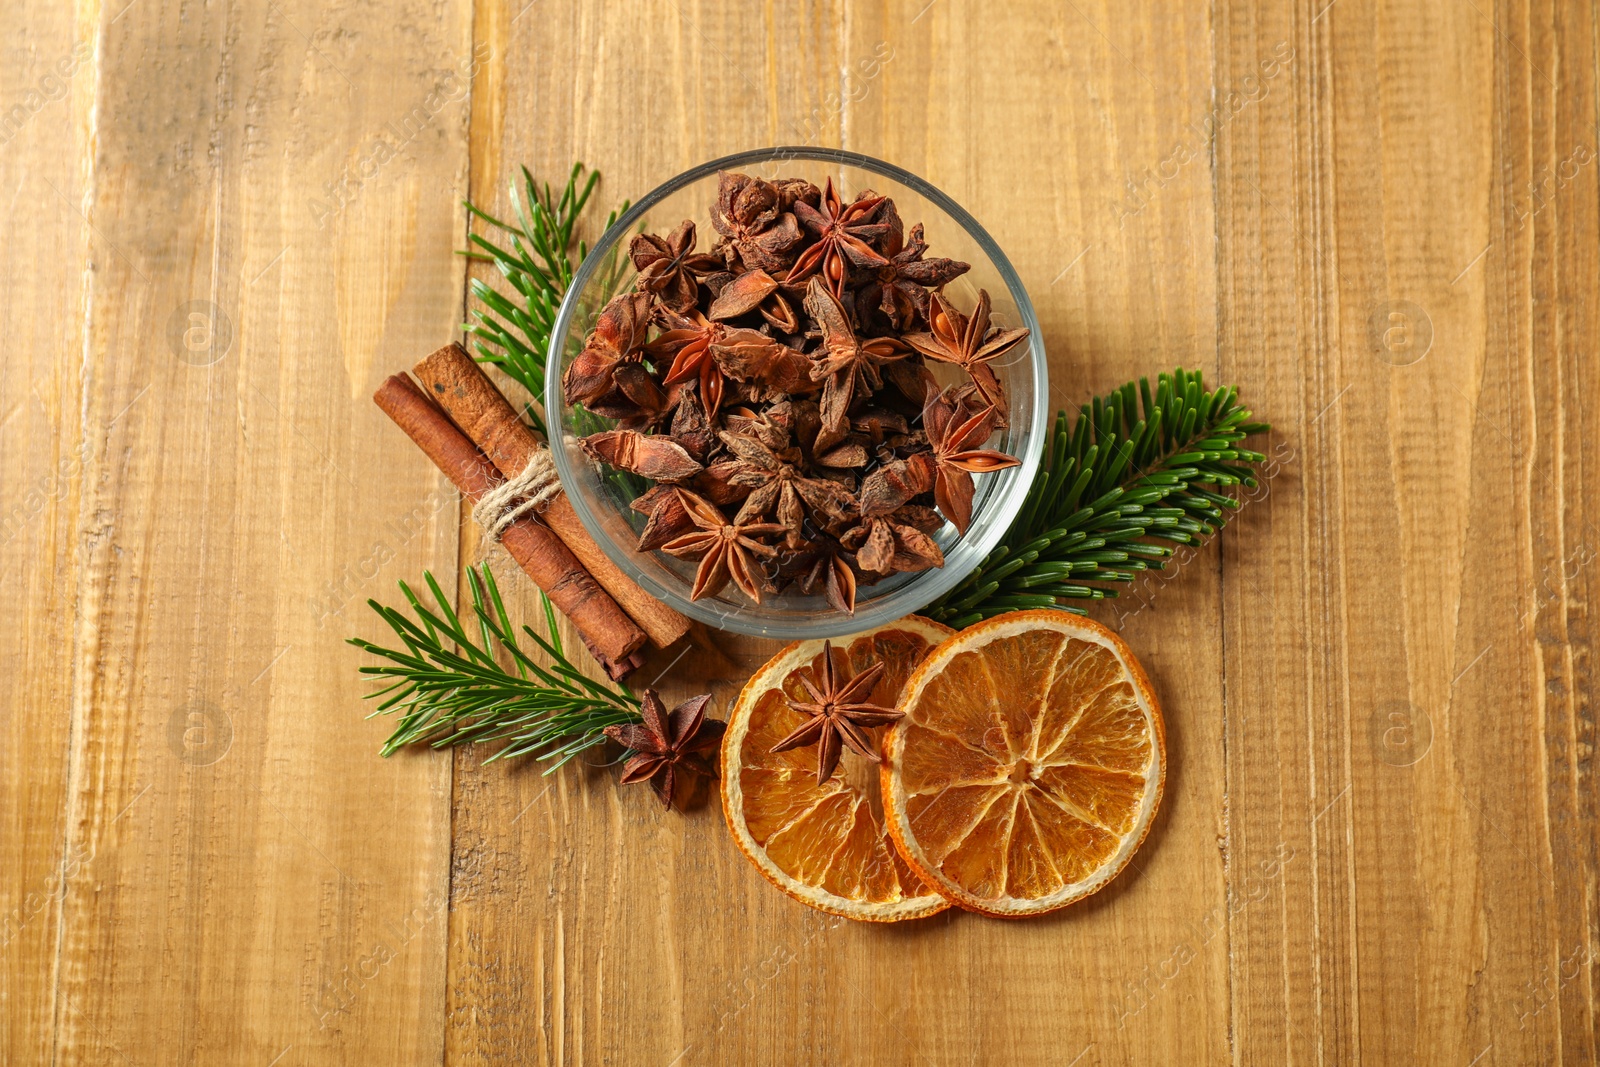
<point>1379,842</point>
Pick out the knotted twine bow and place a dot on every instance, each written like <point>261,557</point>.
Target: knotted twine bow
<point>517,497</point>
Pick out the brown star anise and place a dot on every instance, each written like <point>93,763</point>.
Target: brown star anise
<point>769,369</point>
<point>837,713</point>
<point>886,545</point>
<point>900,287</point>
<point>690,427</point>
<point>685,348</point>
<point>843,233</point>
<point>968,342</point>
<point>667,516</point>
<point>636,401</point>
<point>778,486</point>
<point>618,337</point>
<point>667,745</point>
<point>722,547</point>
<point>847,364</point>
<point>757,231</point>
<point>956,456</point>
<point>669,267</point>
<point>755,290</point>
<point>829,570</point>
<point>656,457</point>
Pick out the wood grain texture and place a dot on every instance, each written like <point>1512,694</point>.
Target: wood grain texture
<point>252,885</point>
<point>1380,842</point>
<point>46,86</point>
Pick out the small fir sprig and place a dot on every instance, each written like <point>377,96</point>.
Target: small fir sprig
<point>1133,469</point>
<point>512,331</point>
<point>448,688</point>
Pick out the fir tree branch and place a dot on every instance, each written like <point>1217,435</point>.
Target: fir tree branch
<point>448,695</point>
<point>512,330</point>
<point>1133,470</point>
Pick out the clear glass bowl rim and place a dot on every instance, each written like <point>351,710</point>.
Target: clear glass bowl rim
<point>981,538</point>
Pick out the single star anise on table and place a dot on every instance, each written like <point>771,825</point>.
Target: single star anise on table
<point>723,548</point>
<point>670,267</point>
<point>967,342</point>
<point>843,234</point>
<point>837,714</point>
<point>666,746</point>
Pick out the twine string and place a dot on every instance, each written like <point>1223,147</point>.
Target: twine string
<point>518,497</point>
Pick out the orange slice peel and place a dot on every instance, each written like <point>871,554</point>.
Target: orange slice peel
<point>824,844</point>
<point>1029,765</point>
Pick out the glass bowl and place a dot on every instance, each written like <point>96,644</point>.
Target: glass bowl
<point>602,503</point>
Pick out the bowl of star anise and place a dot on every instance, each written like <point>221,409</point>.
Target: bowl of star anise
<point>800,392</point>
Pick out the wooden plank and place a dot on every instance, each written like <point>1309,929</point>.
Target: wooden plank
<point>1402,680</point>
<point>46,89</point>
<point>573,904</point>
<point>274,212</point>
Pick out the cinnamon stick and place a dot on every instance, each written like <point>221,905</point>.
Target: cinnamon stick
<point>458,384</point>
<point>610,634</point>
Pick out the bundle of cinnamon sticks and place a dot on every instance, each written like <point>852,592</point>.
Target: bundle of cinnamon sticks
<point>465,425</point>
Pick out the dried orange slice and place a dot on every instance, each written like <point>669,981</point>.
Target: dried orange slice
<point>1029,764</point>
<point>825,845</point>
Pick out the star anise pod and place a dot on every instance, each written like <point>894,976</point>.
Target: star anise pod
<point>667,516</point>
<point>684,346</point>
<point>893,535</point>
<point>690,426</point>
<point>879,424</point>
<point>843,232</point>
<point>779,487</point>
<point>837,713</point>
<point>723,548</point>
<point>768,368</point>
<point>771,427</point>
<point>793,190</point>
<point>617,338</point>
<point>669,267</point>
<point>830,572</point>
<point>749,214</point>
<point>968,342</point>
<point>847,365</point>
<point>900,287</point>
<point>636,401</point>
<point>666,746</point>
<point>755,290</point>
<point>656,457</point>
<point>956,455</point>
